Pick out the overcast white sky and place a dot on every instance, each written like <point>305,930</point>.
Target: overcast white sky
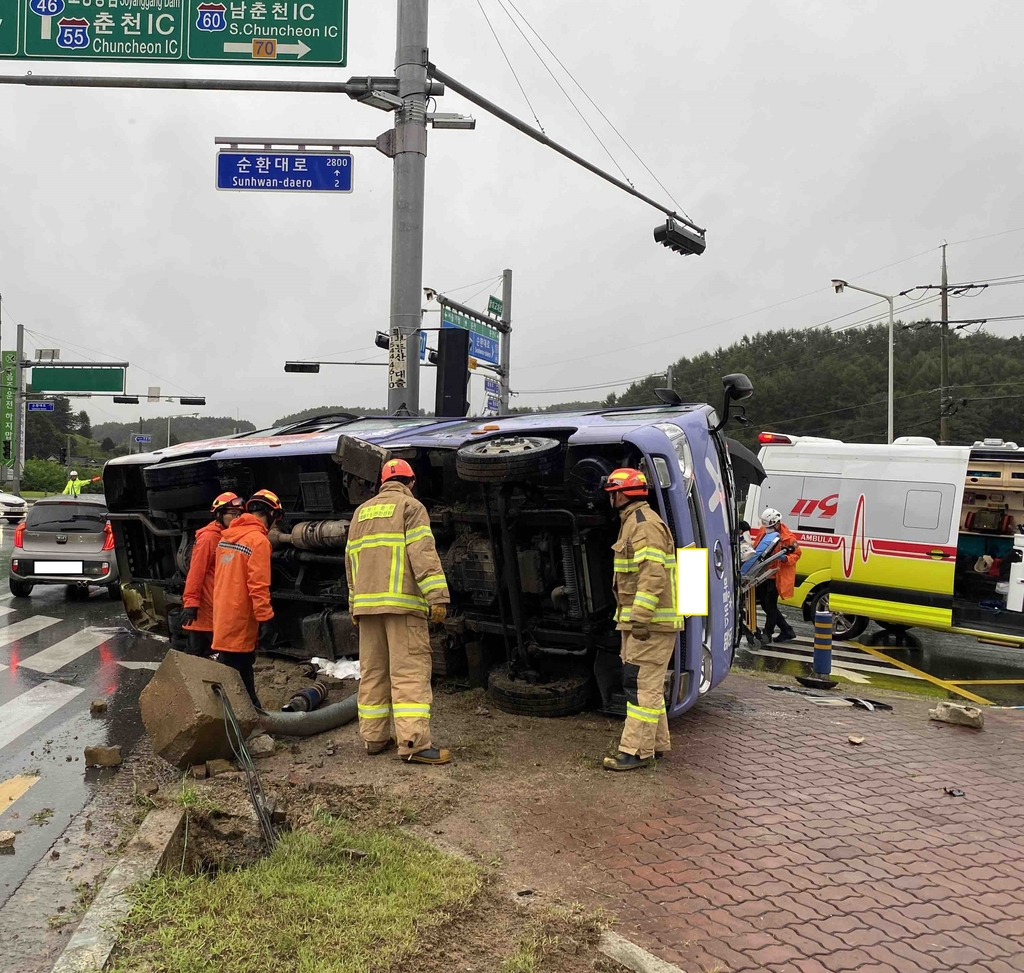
<point>813,138</point>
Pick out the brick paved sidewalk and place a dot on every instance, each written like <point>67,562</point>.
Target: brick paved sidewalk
<point>771,843</point>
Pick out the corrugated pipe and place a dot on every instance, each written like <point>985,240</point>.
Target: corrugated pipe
<point>310,724</point>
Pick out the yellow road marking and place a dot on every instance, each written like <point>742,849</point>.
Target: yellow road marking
<point>941,683</point>
<point>987,682</point>
<point>11,790</point>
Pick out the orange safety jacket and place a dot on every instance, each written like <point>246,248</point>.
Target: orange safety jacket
<point>391,560</point>
<point>785,577</point>
<point>199,583</point>
<point>241,586</point>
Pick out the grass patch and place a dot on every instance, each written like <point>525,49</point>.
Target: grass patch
<point>308,907</point>
<point>553,933</point>
<point>193,799</point>
<point>41,817</point>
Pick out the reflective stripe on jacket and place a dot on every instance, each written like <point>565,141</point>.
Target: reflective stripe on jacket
<point>199,583</point>
<point>645,571</point>
<point>391,561</point>
<point>241,585</point>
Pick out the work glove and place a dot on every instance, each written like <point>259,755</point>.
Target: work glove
<point>438,613</point>
<point>189,616</point>
<point>267,630</point>
<point>355,620</point>
<point>641,631</point>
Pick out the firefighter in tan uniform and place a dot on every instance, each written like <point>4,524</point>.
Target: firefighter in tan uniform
<point>395,584</point>
<point>645,592</point>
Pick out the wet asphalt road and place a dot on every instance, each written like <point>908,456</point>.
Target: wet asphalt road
<point>58,654</point>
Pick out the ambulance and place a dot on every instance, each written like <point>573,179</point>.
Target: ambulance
<point>906,535</point>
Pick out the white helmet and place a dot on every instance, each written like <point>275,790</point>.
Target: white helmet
<point>770,517</point>
<point>74,473</point>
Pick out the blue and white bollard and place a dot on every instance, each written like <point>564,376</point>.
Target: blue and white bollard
<point>821,675</point>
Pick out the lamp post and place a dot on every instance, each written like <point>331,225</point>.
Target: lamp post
<point>839,286</point>
<point>185,415</point>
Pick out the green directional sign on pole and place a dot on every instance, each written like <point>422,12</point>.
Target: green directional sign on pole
<point>495,305</point>
<point>77,380</point>
<point>7,408</point>
<point>286,32</point>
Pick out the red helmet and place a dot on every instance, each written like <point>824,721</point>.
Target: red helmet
<point>227,501</point>
<point>628,481</point>
<point>267,499</point>
<point>396,467</point>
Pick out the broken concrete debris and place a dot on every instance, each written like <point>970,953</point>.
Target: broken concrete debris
<point>7,839</point>
<point>98,707</point>
<point>215,767</point>
<point>855,739</point>
<point>958,715</point>
<point>261,746</point>
<point>148,788</point>
<point>199,771</point>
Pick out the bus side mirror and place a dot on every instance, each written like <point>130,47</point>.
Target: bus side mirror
<point>737,388</point>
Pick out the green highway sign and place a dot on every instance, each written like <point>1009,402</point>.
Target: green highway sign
<point>77,379</point>
<point>286,32</point>
<point>495,306</point>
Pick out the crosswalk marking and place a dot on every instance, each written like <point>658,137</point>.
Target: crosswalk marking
<point>27,626</point>
<point>31,708</point>
<point>6,610</point>
<point>11,790</point>
<point>859,666</point>
<point>59,655</point>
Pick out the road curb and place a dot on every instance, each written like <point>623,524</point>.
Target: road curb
<point>157,843</point>
<point>632,956</point>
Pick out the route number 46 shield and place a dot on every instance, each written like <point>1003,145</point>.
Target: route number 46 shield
<point>73,33</point>
<point>211,17</point>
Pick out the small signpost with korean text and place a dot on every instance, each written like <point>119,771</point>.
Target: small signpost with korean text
<point>284,172</point>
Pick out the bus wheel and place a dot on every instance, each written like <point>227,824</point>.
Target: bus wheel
<point>845,628</point>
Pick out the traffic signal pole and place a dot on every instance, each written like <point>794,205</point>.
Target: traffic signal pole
<point>19,412</point>
<point>506,339</point>
<point>409,192</point>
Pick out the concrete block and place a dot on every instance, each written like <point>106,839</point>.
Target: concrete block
<point>214,768</point>
<point>958,714</point>
<point>185,718</point>
<point>102,756</point>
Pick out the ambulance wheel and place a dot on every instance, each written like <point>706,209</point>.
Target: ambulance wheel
<point>845,628</point>
<point>566,697</point>
<point>507,458</point>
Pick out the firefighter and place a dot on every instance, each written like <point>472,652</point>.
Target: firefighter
<point>73,488</point>
<point>395,584</point>
<point>197,615</point>
<point>783,584</point>
<point>645,592</point>
<point>242,612</point>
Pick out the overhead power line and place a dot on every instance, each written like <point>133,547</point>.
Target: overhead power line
<point>509,63</point>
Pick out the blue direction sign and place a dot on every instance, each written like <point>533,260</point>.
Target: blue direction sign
<point>483,338</point>
<point>492,404</point>
<point>40,407</point>
<point>491,386</point>
<point>284,172</point>
<point>143,440</point>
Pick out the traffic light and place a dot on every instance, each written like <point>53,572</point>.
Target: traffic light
<point>305,367</point>
<point>63,455</point>
<point>198,399</point>
<point>7,449</point>
<point>382,340</point>
<point>126,400</point>
<point>679,238</point>
<point>452,373</point>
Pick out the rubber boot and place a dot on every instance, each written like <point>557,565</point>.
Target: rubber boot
<point>431,756</point>
<point>785,635</point>
<point>626,761</point>
<point>374,749</point>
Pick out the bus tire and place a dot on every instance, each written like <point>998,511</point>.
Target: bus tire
<point>507,458</point>
<point>565,697</point>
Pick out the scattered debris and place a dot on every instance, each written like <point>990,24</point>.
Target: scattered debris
<point>7,839</point>
<point>356,854</point>
<point>215,767</point>
<point>98,707</point>
<point>148,788</point>
<point>55,855</point>
<point>339,669</point>
<point>102,756</point>
<point>261,746</point>
<point>483,711</point>
<point>955,792</point>
<point>868,704</point>
<point>199,771</point>
<point>525,892</point>
<point>856,740</point>
<point>88,824</point>
<point>958,714</point>
<point>42,816</point>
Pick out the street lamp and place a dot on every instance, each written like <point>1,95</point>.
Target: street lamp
<point>184,415</point>
<point>839,286</point>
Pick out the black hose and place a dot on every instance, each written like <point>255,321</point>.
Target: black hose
<point>310,724</point>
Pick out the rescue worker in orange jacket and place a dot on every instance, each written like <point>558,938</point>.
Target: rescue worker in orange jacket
<point>197,615</point>
<point>241,587</point>
<point>395,584</point>
<point>645,592</point>
<point>784,583</point>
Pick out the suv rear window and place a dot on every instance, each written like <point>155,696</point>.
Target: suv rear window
<point>67,518</point>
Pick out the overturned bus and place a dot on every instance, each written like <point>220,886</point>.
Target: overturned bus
<point>522,526</point>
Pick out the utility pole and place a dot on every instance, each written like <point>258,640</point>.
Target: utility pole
<point>19,413</point>
<point>668,377</point>
<point>409,190</point>
<point>944,356</point>
<point>506,341</point>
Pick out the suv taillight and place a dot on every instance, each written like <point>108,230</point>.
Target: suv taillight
<point>19,535</point>
<point>108,541</point>
<point>774,439</point>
